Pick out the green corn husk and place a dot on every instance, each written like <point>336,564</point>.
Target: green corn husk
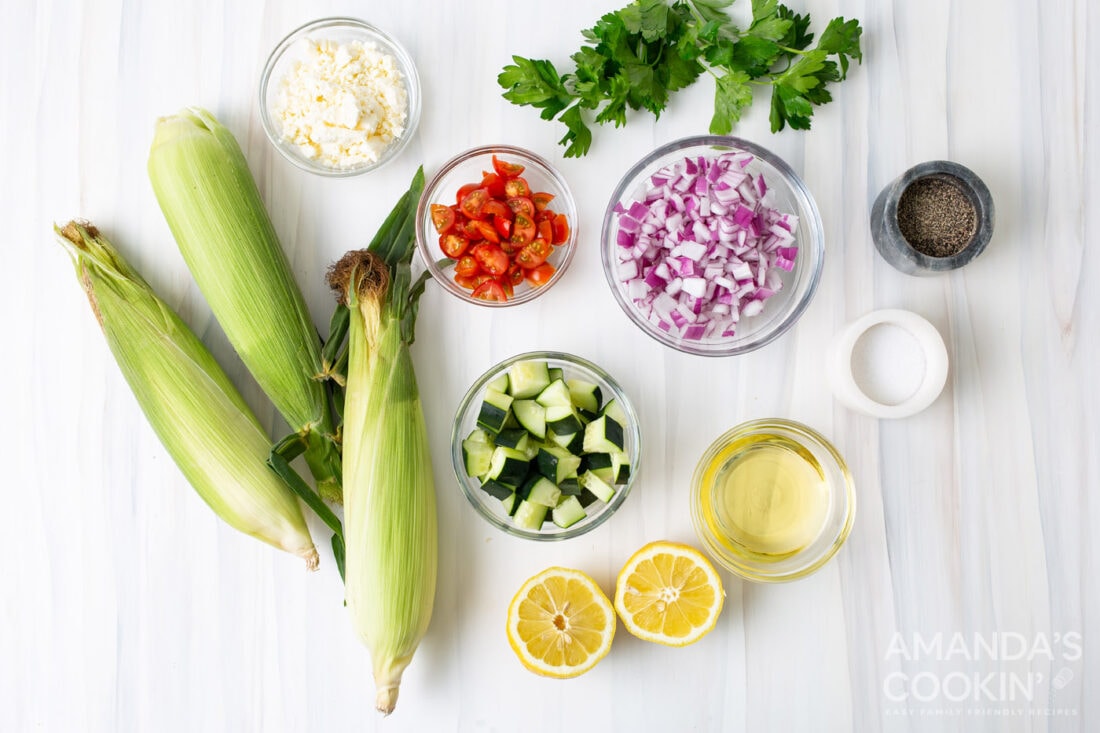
<point>389,490</point>
<point>193,407</point>
<point>210,200</point>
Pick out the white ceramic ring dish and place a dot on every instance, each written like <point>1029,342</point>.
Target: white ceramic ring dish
<point>851,378</point>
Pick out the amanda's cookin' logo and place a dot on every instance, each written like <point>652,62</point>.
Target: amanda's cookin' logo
<point>982,671</point>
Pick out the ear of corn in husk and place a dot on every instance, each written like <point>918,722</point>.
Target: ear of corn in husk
<point>389,490</point>
<point>195,410</point>
<point>210,200</point>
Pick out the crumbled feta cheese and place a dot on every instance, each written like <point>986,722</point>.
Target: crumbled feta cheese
<point>342,104</point>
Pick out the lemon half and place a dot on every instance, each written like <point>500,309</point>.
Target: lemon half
<point>560,624</point>
<point>669,593</point>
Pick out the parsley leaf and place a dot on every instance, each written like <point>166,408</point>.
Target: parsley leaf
<point>535,83</point>
<point>712,9</point>
<point>635,57</point>
<point>579,138</point>
<point>732,94</point>
<point>798,35</point>
<point>647,17</point>
<point>842,38</point>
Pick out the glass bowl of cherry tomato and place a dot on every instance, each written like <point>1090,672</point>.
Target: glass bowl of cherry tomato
<point>496,226</point>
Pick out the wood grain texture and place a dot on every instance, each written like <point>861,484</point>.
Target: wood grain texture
<point>127,606</point>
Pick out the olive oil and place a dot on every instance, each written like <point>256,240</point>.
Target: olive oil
<point>764,497</point>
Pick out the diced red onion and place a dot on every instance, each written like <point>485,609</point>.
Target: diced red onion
<point>699,248</point>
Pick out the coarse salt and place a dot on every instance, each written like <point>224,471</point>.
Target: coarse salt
<point>342,104</point>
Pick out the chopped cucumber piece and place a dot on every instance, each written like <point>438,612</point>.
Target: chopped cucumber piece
<point>524,490</point>
<point>585,395</point>
<point>527,378</point>
<point>571,442</point>
<point>508,466</point>
<point>477,454</point>
<point>500,384</point>
<point>512,438</point>
<point>544,492</point>
<point>556,394</point>
<point>529,515</point>
<point>555,373</point>
<point>603,435</point>
<point>494,411</point>
<point>557,464</point>
<point>615,411</point>
<point>587,498</point>
<point>477,435</point>
<point>613,468</point>
<point>498,490</point>
<point>570,487</point>
<point>621,463</point>
<point>586,416</point>
<point>603,490</point>
<point>532,416</point>
<point>568,512</point>
<point>601,465</point>
<point>509,502</point>
<point>563,419</point>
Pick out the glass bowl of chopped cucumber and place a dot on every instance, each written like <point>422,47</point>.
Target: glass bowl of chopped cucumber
<point>497,225</point>
<point>712,245</point>
<point>545,446</point>
<point>339,97</point>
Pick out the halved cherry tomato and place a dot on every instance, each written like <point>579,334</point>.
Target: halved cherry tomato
<point>491,258</point>
<point>490,290</point>
<point>488,231</point>
<point>471,231</point>
<point>467,266</point>
<point>534,254</point>
<point>541,200</point>
<point>503,226</point>
<point>546,230</point>
<point>505,168</point>
<point>507,287</point>
<point>561,229</point>
<point>463,190</point>
<point>522,205</point>
<point>541,275</point>
<point>473,201</point>
<point>453,245</point>
<point>523,229</point>
<point>496,207</point>
<point>472,281</point>
<point>494,184</point>
<point>509,247</point>
<point>517,187</point>
<point>515,275</point>
<point>443,218</point>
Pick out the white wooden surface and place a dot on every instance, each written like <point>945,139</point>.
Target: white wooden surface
<point>126,605</point>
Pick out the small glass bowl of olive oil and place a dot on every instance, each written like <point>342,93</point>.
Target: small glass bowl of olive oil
<point>772,500</point>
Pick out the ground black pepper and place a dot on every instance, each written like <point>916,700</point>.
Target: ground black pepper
<point>936,217</point>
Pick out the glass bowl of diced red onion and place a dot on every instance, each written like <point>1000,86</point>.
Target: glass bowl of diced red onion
<point>712,245</point>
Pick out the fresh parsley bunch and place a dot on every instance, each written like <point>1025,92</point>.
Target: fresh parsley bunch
<point>636,56</point>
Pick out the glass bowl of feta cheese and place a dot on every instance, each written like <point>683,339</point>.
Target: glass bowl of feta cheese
<point>339,97</point>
